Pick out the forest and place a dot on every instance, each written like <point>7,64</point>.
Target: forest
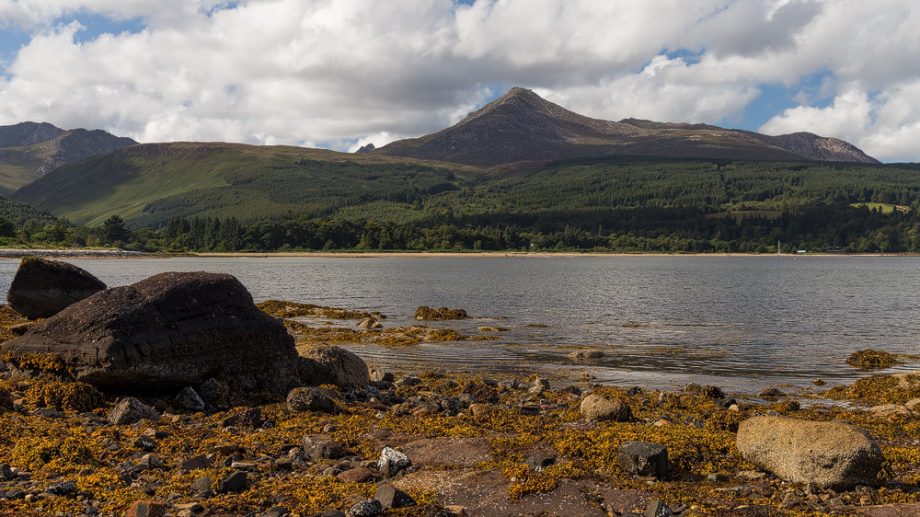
<point>622,205</point>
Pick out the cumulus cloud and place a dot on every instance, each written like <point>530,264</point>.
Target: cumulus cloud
<point>342,73</point>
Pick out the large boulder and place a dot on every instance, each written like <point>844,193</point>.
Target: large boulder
<point>42,288</point>
<point>170,331</point>
<point>325,364</point>
<point>829,454</point>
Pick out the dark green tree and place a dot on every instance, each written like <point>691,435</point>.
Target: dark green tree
<point>115,231</point>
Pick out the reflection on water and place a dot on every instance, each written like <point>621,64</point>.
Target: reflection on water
<point>742,322</point>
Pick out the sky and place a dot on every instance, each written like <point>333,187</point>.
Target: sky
<point>343,73</point>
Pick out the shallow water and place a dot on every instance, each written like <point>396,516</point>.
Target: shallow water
<point>740,322</point>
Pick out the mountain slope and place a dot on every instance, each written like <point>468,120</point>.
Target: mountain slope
<point>30,150</point>
<point>153,183</point>
<point>522,126</point>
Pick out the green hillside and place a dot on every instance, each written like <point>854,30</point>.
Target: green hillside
<point>148,185</point>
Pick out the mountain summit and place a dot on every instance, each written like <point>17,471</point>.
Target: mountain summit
<point>522,126</point>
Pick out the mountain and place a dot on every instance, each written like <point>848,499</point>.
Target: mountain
<point>522,126</point>
<point>150,184</point>
<point>29,150</point>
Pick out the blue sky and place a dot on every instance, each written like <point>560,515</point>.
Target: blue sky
<point>342,73</point>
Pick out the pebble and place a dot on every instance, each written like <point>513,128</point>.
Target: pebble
<point>369,508</point>
<point>235,482</point>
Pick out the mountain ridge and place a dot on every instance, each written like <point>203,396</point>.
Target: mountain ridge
<point>522,126</point>
<point>30,150</point>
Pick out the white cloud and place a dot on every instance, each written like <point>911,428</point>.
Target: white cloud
<point>886,126</point>
<point>337,72</point>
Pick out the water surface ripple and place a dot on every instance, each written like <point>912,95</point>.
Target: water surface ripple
<point>741,322</point>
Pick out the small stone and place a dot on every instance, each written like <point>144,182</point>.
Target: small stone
<point>656,508</point>
<point>538,386</point>
<point>540,460</point>
<point>369,508</point>
<point>771,394</point>
<point>146,509</point>
<point>130,410</point>
<point>149,461</point>
<point>309,399</point>
<point>356,475</point>
<point>6,473</point>
<point>391,497</point>
<point>145,443</point>
<point>317,447</point>
<point>391,462</point>
<point>597,408</point>
<point>235,482</point>
<point>249,417</point>
<point>62,488</point>
<point>480,410</point>
<point>197,462</point>
<point>379,376</point>
<point>202,487</point>
<point>189,400</point>
<point>644,459</point>
<point>529,410</point>
<point>409,380</point>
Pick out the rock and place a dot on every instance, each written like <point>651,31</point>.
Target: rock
<point>538,386</point>
<point>309,399</point>
<point>198,462</point>
<point>369,324</point>
<point>913,405</point>
<point>146,509</point>
<point>391,497</point>
<point>711,392</point>
<point>275,511</point>
<point>391,462</point>
<point>540,460</point>
<point>235,482</point>
<point>829,454</point>
<point>318,446</point>
<point>585,355</point>
<point>325,364</point>
<point>6,473</point>
<point>479,410</point>
<point>597,408</point>
<point>130,410</point>
<point>21,328</point>
<point>201,487</point>
<point>369,508</point>
<point>215,393</point>
<point>656,508</point>
<point>145,443</point>
<point>170,329</point>
<point>771,394</point>
<point>249,417</point>
<point>381,376</point>
<point>425,313</point>
<point>42,288</point>
<point>644,459</point>
<point>356,475</point>
<point>188,400</point>
<point>62,488</point>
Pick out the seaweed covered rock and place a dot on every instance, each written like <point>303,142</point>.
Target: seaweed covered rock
<point>325,364</point>
<point>42,288</point>
<point>172,329</point>
<point>425,313</point>
<point>829,454</point>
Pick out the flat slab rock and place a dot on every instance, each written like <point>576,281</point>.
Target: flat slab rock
<point>485,493</point>
<point>448,452</point>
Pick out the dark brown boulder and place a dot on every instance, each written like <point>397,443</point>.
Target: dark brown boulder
<point>42,288</point>
<point>167,332</point>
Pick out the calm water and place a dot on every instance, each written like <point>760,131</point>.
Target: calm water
<point>740,322</point>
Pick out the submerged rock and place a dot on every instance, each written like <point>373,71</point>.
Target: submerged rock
<point>426,313</point>
<point>42,288</point>
<point>170,329</point>
<point>829,454</point>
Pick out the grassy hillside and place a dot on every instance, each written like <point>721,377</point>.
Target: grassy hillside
<point>17,168</point>
<point>150,184</point>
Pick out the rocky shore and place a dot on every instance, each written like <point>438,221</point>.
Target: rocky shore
<point>179,396</point>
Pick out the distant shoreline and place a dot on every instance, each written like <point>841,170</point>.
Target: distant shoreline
<point>15,253</point>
